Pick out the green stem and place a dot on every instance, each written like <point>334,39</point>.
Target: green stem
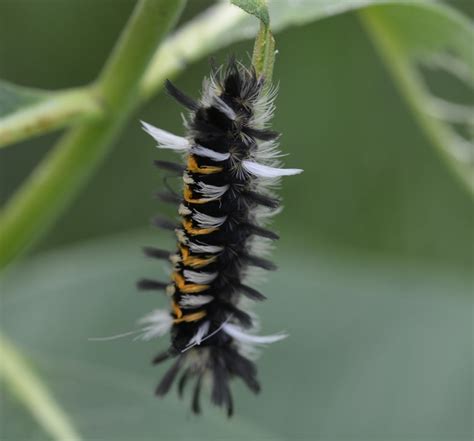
<point>413,90</point>
<point>61,174</point>
<point>205,34</point>
<point>56,110</point>
<point>264,53</point>
<point>28,388</point>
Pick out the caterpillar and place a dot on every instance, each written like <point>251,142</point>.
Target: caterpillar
<point>231,167</point>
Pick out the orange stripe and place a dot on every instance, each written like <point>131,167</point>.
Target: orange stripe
<point>188,196</point>
<point>188,226</point>
<point>190,288</point>
<point>204,170</point>
<point>193,261</point>
<point>191,317</point>
<point>176,311</point>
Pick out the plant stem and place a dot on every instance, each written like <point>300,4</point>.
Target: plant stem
<point>55,110</point>
<point>264,53</point>
<point>58,178</point>
<point>29,389</point>
<point>205,34</point>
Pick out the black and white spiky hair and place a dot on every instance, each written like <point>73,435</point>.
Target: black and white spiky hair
<point>231,167</point>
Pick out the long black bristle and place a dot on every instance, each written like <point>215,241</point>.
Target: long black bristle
<point>183,381</point>
<point>263,232</point>
<point>262,134</point>
<point>156,253</point>
<point>196,407</point>
<point>168,379</point>
<point>164,223</point>
<point>259,262</point>
<point>262,199</point>
<point>241,316</point>
<point>179,96</point>
<point>251,293</point>
<point>169,166</point>
<point>168,197</point>
<point>149,284</point>
<point>163,356</point>
<point>243,368</point>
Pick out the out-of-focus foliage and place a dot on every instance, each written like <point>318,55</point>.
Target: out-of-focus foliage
<point>375,251</point>
<point>377,349</point>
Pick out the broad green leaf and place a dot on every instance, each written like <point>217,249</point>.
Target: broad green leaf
<point>378,349</point>
<point>407,31</point>
<point>28,112</point>
<point>412,40</point>
<point>258,8</point>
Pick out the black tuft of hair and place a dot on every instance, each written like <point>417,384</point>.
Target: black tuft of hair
<point>164,223</point>
<point>156,253</point>
<point>179,96</point>
<point>151,285</point>
<point>169,166</point>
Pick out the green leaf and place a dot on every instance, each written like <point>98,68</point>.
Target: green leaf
<point>414,39</point>
<point>361,329</point>
<point>258,8</point>
<point>28,112</point>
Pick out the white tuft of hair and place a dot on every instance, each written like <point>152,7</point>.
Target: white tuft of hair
<point>264,107</point>
<point>194,300</point>
<point>157,324</point>
<point>166,140</point>
<point>240,335</point>
<point>183,210</point>
<point>199,277</point>
<point>208,153</point>
<point>268,151</point>
<point>187,179</point>
<point>224,108</point>
<point>198,247</point>
<point>264,171</point>
<point>200,334</point>
<point>212,191</point>
<point>206,221</point>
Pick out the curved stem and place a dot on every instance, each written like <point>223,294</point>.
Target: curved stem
<point>205,34</point>
<point>264,53</point>
<point>29,389</point>
<point>61,174</point>
<point>55,110</point>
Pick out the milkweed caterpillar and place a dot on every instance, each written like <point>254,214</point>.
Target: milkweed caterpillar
<point>231,166</point>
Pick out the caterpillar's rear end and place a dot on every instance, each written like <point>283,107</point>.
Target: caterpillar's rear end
<point>230,168</point>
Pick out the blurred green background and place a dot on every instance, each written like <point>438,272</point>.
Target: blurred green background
<point>375,255</point>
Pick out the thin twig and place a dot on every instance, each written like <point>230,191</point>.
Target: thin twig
<point>31,391</point>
